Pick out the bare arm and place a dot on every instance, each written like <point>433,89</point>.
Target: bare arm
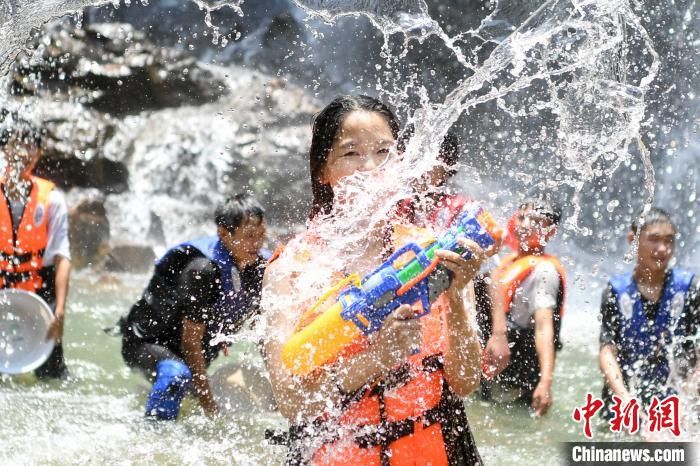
<point>498,313</point>
<point>463,352</point>
<point>544,345</point>
<point>612,372</point>
<point>497,351</point>
<point>63,267</point>
<point>192,333</point>
<point>463,355</point>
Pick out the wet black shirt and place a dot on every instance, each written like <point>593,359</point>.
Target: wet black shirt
<point>186,284</point>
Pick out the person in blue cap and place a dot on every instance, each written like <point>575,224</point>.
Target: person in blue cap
<point>200,289</point>
<point>650,319</point>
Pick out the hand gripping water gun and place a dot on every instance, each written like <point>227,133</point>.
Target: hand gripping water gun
<point>362,306</point>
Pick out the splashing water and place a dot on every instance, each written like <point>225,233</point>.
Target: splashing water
<point>568,62</point>
<point>565,62</point>
<point>212,5</point>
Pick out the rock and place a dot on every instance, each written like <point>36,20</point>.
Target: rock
<point>74,138</point>
<point>136,258</point>
<point>242,388</point>
<point>156,234</point>
<point>109,281</point>
<point>89,232</point>
<point>182,162</point>
<point>112,68</point>
<point>107,175</point>
<point>282,31</point>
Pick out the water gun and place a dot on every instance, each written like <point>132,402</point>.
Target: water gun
<point>412,274</point>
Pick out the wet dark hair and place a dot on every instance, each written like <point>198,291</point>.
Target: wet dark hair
<point>24,131</point>
<point>449,149</point>
<point>325,128</point>
<point>548,209</point>
<point>233,211</point>
<point>406,135</point>
<point>655,216</point>
<point>449,152</point>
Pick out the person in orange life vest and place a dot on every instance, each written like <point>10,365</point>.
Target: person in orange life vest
<point>34,232</point>
<point>527,295</point>
<point>434,205</point>
<point>383,403</point>
<point>649,318</point>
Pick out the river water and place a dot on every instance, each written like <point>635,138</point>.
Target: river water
<point>97,416</point>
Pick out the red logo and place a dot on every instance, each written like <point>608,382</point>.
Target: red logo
<point>664,415</point>
<point>625,418</point>
<point>661,415</point>
<point>586,412</point>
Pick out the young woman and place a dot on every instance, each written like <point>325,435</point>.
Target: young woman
<point>394,399</point>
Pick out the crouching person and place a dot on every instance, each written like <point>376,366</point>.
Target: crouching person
<point>199,288</point>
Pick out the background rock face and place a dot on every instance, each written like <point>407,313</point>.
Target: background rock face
<point>183,161</point>
<point>112,68</point>
<point>89,231</point>
<point>129,258</point>
<point>276,36</point>
<point>148,140</point>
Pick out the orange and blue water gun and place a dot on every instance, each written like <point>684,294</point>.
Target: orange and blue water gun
<point>412,274</point>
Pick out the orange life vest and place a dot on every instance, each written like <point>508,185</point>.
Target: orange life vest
<point>512,271</point>
<point>22,249</point>
<point>441,216</point>
<point>409,418</point>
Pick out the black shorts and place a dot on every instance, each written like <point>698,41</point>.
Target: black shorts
<point>145,356</point>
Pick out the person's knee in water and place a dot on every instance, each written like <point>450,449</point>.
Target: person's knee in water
<point>34,231</point>
<point>646,316</point>
<point>526,304</point>
<point>199,288</point>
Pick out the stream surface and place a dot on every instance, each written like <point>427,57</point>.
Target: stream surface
<point>97,417</point>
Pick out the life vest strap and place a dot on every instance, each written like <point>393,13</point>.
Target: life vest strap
<point>369,435</point>
<point>397,378</point>
<point>401,375</point>
<point>385,433</point>
<point>23,258</point>
<point>11,278</point>
<point>388,432</point>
